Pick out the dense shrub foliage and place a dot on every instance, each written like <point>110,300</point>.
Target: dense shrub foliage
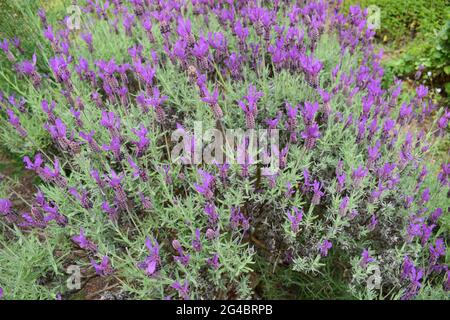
<point>403,19</point>
<point>357,209</point>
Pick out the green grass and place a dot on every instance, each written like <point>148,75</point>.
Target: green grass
<point>405,19</point>
<point>415,33</point>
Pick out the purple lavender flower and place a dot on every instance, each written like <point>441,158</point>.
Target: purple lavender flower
<point>115,183</point>
<point>414,275</point>
<point>374,152</point>
<point>447,283</point>
<point>104,268</point>
<point>373,128</point>
<point>218,42</point>
<point>223,170</point>
<point>111,122</point>
<point>344,206</point>
<point>311,134</point>
<point>184,28</point>
<point>365,258</point>
<point>114,147</point>
<point>405,113</point>
<point>87,37</point>
<point>373,223</point>
<point>207,184</point>
<point>52,174</point>
<point>309,111</point>
<point>358,175</point>
<point>153,260</point>
<point>42,17</point>
<point>436,251</point>
<point>83,242</point>
<point>415,228</point>
<point>5,207</point>
<point>340,176</point>
<point>60,68</point>
<point>292,121</point>
<point>143,142</point>
<point>58,132</point>
<point>425,197</point>
<point>96,175</point>
<point>212,234</point>
<point>137,172</point>
<point>129,21</point>
<point>317,192</point>
<point>324,247</point>
<point>15,122</point>
<point>290,190</point>
<point>183,289</point>
<point>146,73</point>
<point>35,165</point>
<point>28,68</point>
<point>53,214</point>
<point>89,137</point>
<point>182,257</point>
<point>156,101</point>
<point>273,123</point>
<point>112,211</point>
<point>115,179</point>
<point>238,219</point>
<point>77,115</point>
<point>406,266</point>
<point>214,261</point>
<point>242,34</point>
<point>434,217</point>
<point>426,233</point>
<point>82,198</point>
<point>167,174</point>
<point>211,100</point>
<point>295,218</point>
<point>443,123</point>
<point>421,91</point>
<point>201,52</point>
<point>388,125</point>
<point>418,74</point>
<point>50,35</point>
<point>210,210</point>
<point>196,242</point>
<point>326,107</point>
<point>312,67</point>
<point>250,107</point>
<point>145,201</point>
<point>444,174</point>
<point>234,63</point>
<point>361,129</point>
<point>4,45</point>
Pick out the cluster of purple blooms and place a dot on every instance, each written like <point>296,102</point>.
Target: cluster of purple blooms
<point>251,38</point>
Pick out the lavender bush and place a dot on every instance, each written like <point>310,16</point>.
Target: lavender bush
<point>358,205</point>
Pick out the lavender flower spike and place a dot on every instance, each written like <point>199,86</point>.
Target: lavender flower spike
<point>295,218</point>
<point>365,258</point>
<point>5,206</point>
<point>324,247</point>
<point>183,289</point>
<point>83,242</point>
<point>104,268</point>
<point>153,260</point>
<point>206,187</point>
